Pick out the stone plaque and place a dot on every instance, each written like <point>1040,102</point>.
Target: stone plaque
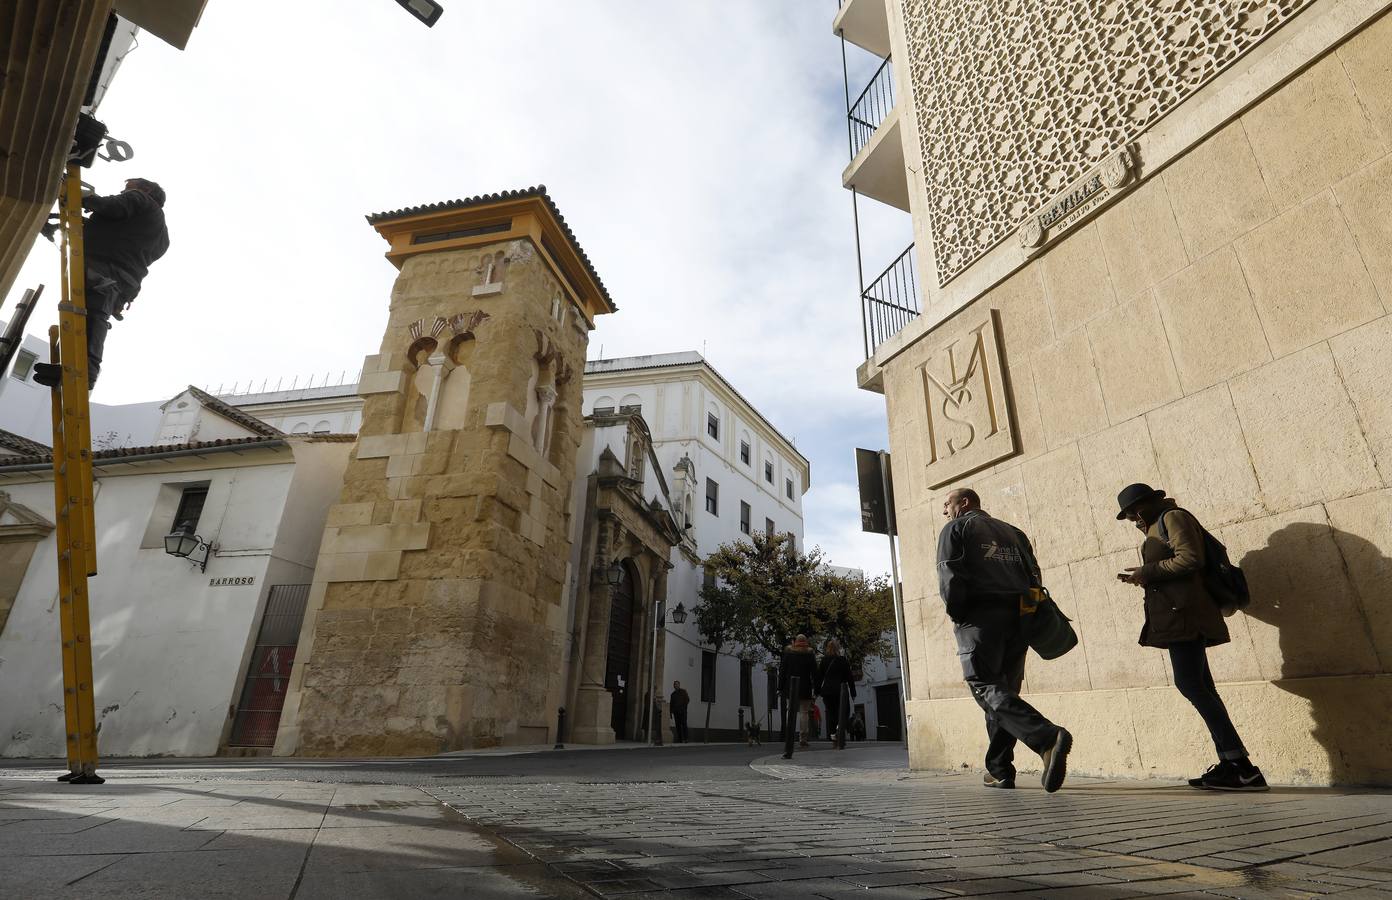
<point>967,405</point>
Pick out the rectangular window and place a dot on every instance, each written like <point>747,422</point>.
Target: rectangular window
<point>788,488</point>
<point>712,497</point>
<point>768,527</point>
<point>190,509</point>
<point>23,365</point>
<point>713,425</point>
<point>746,684</point>
<point>707,676</point>
<point>744,452</point>
<point>768,472</point>
<point>744,517</point>
<point>771,685</point>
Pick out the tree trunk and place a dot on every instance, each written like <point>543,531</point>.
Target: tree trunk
<point>705,732</point>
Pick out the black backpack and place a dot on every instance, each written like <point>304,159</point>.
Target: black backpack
<point>1225,582</point>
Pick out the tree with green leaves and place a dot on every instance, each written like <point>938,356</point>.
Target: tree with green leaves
<point>767,592</point>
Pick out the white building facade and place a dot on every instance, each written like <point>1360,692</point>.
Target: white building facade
<point>185,656</point>
<point>730,472</point>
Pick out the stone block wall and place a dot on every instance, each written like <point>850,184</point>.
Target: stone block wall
<point>435,619</point>
<point>1222,332</point>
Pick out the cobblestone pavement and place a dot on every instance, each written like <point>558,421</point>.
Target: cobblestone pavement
<point>825,825</point>
<point>837,832</point>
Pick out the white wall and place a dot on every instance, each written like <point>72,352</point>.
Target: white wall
<point>168,648</point>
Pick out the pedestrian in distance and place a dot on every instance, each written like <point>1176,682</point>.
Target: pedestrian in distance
<point>833,672</point>
<point>1183,618</point>
<point>799,661</point>
<point>124,234</point>
<point>858,727</point>
<point>986,571</point>
<point>678,703</point>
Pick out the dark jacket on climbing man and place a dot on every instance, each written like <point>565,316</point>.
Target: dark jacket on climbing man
<point>981,558</point>
<point>799,661</point>
<point>126,231</point>
<point>1178,607</point>
<point>679,700</point>
<point>832,672</point>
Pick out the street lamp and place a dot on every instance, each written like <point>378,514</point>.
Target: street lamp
<point>679,614</point>
<point>614,574</point>
<point>187,545</point>
<point>428,11</point>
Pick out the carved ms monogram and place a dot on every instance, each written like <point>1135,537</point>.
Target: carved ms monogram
<point>962,400</point>
<point>965,404</point>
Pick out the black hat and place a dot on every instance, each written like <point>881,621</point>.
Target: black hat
<point>1133,494</point>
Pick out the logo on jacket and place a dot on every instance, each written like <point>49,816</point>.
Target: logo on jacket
<point>996,553</point>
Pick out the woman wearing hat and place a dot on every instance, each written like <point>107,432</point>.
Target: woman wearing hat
<point>1183,618</point>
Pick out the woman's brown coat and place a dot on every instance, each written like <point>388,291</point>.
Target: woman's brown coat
<point>1178,607</point>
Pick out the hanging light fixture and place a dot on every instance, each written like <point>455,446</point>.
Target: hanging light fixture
<point>679,614</point>
<point>189,546</point>
<point>614,574</point>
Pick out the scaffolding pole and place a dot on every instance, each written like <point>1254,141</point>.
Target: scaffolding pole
<point>72,491</point>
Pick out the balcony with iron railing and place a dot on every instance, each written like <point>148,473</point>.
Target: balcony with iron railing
<point>876,167</point>
<point>869,111</point>
<point>890,301</point>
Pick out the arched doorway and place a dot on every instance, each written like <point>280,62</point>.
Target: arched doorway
<point>619,653</point>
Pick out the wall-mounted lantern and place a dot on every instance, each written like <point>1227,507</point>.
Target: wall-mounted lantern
<point>188,546</point>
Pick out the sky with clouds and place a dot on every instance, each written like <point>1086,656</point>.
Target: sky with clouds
<point>695,148</point>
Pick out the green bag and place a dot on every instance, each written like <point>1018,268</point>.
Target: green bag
<point>1049,631</point>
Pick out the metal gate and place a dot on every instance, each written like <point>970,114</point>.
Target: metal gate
<point>268,675</point>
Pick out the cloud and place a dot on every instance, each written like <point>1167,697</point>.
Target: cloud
<point>696,150</point>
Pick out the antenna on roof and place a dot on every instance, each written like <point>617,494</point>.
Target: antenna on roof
<point>278,381</point>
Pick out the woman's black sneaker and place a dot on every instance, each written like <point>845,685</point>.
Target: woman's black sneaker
<point>1228,777</point>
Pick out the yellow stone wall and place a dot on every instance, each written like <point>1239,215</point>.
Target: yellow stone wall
<point>435,621</point>
<point>1221,332</point>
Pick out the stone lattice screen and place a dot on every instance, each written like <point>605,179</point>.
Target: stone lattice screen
<point>1018,98</point>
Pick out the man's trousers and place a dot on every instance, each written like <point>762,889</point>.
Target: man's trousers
<point>992,648</point>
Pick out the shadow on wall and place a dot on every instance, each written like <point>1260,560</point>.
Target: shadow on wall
<point>1325,595</point>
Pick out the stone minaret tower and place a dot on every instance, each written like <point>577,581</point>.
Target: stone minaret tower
<point>436,619</point>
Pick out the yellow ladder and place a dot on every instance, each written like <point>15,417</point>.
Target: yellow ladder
<point>72,493</point>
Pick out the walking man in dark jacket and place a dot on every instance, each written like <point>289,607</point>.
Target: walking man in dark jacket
<point>124,234</point>
<point>678,703</point>
<point>1182,618</point>
<point>986,567</point>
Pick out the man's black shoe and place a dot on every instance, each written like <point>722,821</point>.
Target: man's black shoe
<point>1056,761</point>
<point>47,374</point>
<point>992,781</point>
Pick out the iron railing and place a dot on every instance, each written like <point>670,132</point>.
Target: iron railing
<point>272,661</point>
<point>871,108</point>
<point>890,302</point>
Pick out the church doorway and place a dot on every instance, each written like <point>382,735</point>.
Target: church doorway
<point>620,649</point>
